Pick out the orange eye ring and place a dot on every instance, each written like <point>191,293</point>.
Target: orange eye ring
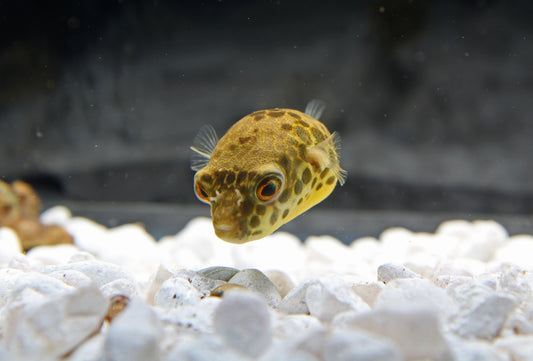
<point>201,193</point>
<point>269,187</point>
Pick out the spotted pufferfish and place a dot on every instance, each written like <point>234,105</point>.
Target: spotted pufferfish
<point>271,166</point>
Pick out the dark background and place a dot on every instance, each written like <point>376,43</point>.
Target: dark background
<point>100,100</point>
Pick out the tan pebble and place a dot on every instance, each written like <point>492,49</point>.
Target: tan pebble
<point>117,304</point>
<point>282,281</point>
<point>220,291</point>
<point>256,281</point>
<point>219,273</point>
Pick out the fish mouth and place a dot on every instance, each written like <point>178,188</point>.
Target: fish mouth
<point>226,227</point>
<point>230,233</point>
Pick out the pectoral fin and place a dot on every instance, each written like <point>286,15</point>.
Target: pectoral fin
<point>326,155</point>
<point>203,146</point>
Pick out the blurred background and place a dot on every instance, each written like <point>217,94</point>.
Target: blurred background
<point>100,101</point>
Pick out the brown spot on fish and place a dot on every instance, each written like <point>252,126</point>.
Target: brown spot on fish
<point>259,117</point>
<point>330,180</point>
<point>298,187</point>
<point>220,177</point>
<point>255,233</point>
<point>251,175</point>
<point>254,221</point>
<point>300,201</point>
<point>243,140</point>
<point>274,216</point>
<point>206,178</point>
<point>286,127</point>
<point>259,112</point>
<point>319,136</point>
<point>230,178</point>
<point>294,115</point>
<point>319,186</point>
<point>285,162</point>
<point>304,123</point>
<point>324,173</point>
<point>314,182</point>
<point>276,114</point>
<point>241,177</point>
<point>302,133</point>
<point>292,153</point>
<point>285,213</point>
<point>302,152</point>
<point>260,209</point>
<point>284,197</point>
<point>306,176</point>
<point>247,207</point>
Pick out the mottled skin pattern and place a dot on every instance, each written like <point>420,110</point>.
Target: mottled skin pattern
<point>265,142</point>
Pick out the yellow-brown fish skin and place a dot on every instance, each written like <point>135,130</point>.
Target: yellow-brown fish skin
<point>271,166</point>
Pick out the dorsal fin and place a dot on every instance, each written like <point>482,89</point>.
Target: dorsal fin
<point>203,145</point>
<point>326,155</point>
<point>315,108</point>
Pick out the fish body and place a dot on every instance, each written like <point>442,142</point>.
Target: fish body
<point>270,166</point>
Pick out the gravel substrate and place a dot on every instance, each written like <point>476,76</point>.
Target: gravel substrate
<point>461,293</point>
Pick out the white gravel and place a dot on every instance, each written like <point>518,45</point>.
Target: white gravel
<point>461,293</point>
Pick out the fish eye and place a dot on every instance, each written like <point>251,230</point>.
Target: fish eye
<point>200,192</point>
<point>269,187</point>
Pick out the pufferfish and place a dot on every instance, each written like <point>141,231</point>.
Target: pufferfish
<point>271,166</point>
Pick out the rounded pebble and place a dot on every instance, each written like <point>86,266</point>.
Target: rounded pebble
<point>134,335</point>
<point>256,281</point>
<point>360,346</point>
<point>243,321</point>
<point>176,292</point>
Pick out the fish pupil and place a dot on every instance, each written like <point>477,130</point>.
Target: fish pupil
<point>269,189</point>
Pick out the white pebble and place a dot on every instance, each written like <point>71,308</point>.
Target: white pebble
<point>53,326</point>
<point>414,291</point>
<point>197,317</point>
<point>57,215</point>
<point>243,321</point>
<point>369,291</point>
<point>52,255</point>
<point>388,272</point>
<point>122,287</point>
<point>517,323</point>
<point>205,348</point>
<point>8,279</point>
<point>477,240</point>
<point>414,329</point>
<point>72,278</point>
<point>21,262</point>
<point>90,350</point>
<point>157,279</point>
<point>44,284</point>
<point>474,350</point>
<point>520,348</point>
<point>282,354</point>
<point>176,292</point>
<point>517,250</point>
<point>134,335</point>
<point>482,311</point>
<point>358,345</point>
<point>99,272</point>
<point>294,302</point>
<point>328,296</point>
<point>293,327</point>
<point>9,245</point>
